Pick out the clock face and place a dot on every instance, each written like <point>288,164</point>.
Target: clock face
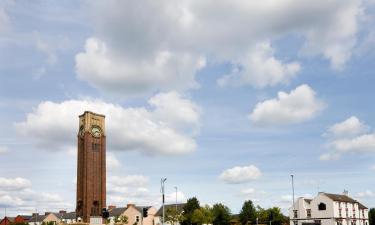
<point>96,132</point>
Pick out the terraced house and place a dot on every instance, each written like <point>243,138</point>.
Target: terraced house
<point>328,209</point>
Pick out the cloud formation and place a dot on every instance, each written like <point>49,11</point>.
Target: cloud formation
<point>3,149</point>
<point>259,68</point>
<point>163,129</point>
<point>300,105</point>
<point>238,175</point>
<point>18,193</point>
<point>349,136</point>
<point>144,46</point>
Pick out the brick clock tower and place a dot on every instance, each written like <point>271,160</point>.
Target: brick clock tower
<point>91,167</point>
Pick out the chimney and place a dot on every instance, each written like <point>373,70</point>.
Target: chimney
<point>62,212</point>
<point>110,207</point>
<point>128,205</point>
<point>35,214</point>
<point>346,193</point>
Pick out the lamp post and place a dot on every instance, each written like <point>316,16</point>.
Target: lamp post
<point>176,203</point>
<point>162,182</point>
<point>293,196</point>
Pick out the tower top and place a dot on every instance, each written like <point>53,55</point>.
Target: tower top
<point>90,120</point>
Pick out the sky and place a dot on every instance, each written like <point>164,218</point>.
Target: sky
<point>226,99</point>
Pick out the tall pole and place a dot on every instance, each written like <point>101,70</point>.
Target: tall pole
<point>293,189</point>
<point>176,202</point>
<point>162,181</point>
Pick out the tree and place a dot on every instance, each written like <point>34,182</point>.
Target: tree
<point>247,213</point>
<point>191,205</point>
<point>275,216</point>
<point>371,216</point>
<point>172,215</point>
<point>202,215</point>
<point>262,215</point>
<point>221,214</point>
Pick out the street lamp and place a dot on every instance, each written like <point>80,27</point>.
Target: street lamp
<point>162,183</point>
<point>176,202</point>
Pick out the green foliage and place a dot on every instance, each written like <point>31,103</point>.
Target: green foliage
<point>248,213</point>
<point>275,216</point>
<point>191,205</point>
<point>172,215</point>
<point>262,215</point>
<point>202,215</point>
<point>221,214</point>
<point>371,216</point>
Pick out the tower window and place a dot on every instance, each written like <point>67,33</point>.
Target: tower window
<point>95,147</point>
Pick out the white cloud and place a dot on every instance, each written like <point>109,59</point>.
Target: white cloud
<point>237,175</point>
<point>366,194</point>
<point>130,180</point>
<point>171,197</point>
<point>18,192</point>
<point>14,184</point>
<point>372,167</point>
<point>4,21</point>
<point>54,125</point>
<point>3,149</point>
<point>298,106</point>
<point>112,162</point>
<point>260,68</point>
<point>348,128</point>
<point>349,137</point>
<point>146,45</point>
<point>114,73</point>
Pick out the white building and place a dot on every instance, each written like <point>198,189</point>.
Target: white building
<point>328,209</point>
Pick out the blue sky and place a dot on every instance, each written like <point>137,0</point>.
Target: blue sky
<point>226,99</point>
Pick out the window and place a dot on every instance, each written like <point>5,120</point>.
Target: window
<point>95,147</point>
<point>295,212</point>
<point>308,212</point>
<point>340,213</point>
<point>322,206</point>
<point>137,219</point>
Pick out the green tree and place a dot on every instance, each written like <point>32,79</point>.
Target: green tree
<point>172,215</point>
<point>202,215</point>
<point>221,214</point>
<point>191,205</point>
<point>262,215</point>
<point>275,216</point>
<point>247,213</point>
<point>371,216</point>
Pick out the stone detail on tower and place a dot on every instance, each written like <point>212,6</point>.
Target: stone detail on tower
<point>91,166</point>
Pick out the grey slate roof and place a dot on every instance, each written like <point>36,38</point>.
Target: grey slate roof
<point>37,218</point>
<point>117,211</point>
<point>180,207</point>
<point>344,198</point>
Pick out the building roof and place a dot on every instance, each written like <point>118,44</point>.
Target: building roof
<point>66,216</point>
<point>139,208</point>
<point>308,200</point>
<point>37,218</point>
<point>10,219</point>
<point>180,207</point>
<point>25,217</point>
<point>117,211</point>
<point>344,198</point>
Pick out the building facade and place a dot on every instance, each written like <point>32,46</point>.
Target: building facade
<point>91,166</point>
<point>328,209</point>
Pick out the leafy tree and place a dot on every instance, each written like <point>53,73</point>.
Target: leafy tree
<point>221,214</point>
<point>275,216</point>
<point>248,213</point>
<point>262,215</point>
<point>172,215</point>
<point>191,205</point>
<point>202,215</point>
<point>371,216</point>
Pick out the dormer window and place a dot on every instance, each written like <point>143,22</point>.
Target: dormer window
<point>322,206</point>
